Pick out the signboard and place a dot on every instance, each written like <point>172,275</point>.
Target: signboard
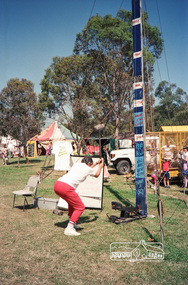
<point>90,191</point>
<point>31,149</point>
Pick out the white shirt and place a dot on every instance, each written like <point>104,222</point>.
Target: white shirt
<point>168,150</point>
<point>62,151</point>
<point>185,156</point>
<point>77,174</point>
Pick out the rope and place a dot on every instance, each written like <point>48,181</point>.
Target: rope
<point>121,5</point>
<point>92,8</point>
<point>172,214</point>
<point>45,167</point>
<point>164,44</point>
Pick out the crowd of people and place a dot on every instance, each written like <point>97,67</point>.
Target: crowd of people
<point>6,153</point>
<point>169,158</point>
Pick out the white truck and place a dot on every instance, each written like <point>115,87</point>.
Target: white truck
<point>123,159</point>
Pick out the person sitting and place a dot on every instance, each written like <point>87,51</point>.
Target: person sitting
<point>168,150</point>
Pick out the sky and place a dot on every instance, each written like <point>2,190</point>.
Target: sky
<point>32,32</point>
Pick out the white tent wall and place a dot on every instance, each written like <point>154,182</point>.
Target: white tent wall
<point>11,144</point>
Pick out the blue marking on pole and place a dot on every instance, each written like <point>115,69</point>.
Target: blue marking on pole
<point>135,9</point>
<point>139,115</point>
<point>136,37</point>
<point>138,110</point>
<point>138,94</point>
<point>137,66</point>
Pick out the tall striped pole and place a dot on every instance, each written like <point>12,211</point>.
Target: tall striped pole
<point>139,110</point>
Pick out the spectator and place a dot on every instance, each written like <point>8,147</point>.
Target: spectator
<point>165,167</point>
<point>185,165</point>
<point>5,157</point>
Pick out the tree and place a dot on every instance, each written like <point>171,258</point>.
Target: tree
<point>97,80</point>
<point>172,108</point>
<point>109,41</point>
<point>68,83</point>
<point>19,111</point>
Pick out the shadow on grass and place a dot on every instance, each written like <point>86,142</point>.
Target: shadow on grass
<point>150,235</point>
<point>27,207</point>
<point>112,171</point>
<point>182,191</point>
<point>24,162</point>
<point>82,220</point>
<point>123,200</point>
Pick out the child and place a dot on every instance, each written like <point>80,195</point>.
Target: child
<point>153,175</point>
<point>165,166</point>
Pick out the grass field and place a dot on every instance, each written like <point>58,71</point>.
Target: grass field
<point>34,249</point>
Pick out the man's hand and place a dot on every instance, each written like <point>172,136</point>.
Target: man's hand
<point>100,160</point>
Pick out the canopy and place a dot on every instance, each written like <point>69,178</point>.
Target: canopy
<point>51,134</point>
<point>68,134</point>
<point>174,129</point>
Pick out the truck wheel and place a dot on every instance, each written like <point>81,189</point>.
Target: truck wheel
<point>123,166</point>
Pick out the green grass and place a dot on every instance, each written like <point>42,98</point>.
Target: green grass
<point>35,251</point>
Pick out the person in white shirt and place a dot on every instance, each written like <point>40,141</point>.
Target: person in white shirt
<point>185,154</point>
<point>66,185</point>
<point>185,165</point>
<point>168,150</point>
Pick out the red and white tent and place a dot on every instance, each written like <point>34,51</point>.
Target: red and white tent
<point>51,134</point>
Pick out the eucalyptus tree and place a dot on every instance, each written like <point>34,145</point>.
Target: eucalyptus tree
<point>173,105</point>
<point>68,89</point>
<point>19,112</point>
<point>109,41</point>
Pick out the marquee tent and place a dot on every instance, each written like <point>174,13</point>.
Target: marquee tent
<point>51,134</point>
<point>69,136</point>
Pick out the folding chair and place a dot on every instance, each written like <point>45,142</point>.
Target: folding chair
<point>26,192</point>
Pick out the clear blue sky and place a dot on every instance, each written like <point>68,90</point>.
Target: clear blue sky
<point>32,32</point>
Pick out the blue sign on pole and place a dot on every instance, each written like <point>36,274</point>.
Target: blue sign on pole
<point>139,115</point>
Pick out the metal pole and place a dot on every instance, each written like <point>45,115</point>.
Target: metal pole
<point>139,110</point>
<point>159,201</point>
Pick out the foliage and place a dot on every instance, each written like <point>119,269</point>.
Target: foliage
<point>19,110</point>
<point>109,41</point>
<point>96,82</point>
<point>68,82</point>
<point>172,108</point>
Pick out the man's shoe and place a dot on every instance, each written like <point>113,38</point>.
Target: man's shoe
<point>71,232</point>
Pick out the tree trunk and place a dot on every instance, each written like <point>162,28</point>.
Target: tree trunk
<point>116,131</point>
<point>78,146</point>
<point>19,160</point>
<point>26,155</point>
<point>130,119</point>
